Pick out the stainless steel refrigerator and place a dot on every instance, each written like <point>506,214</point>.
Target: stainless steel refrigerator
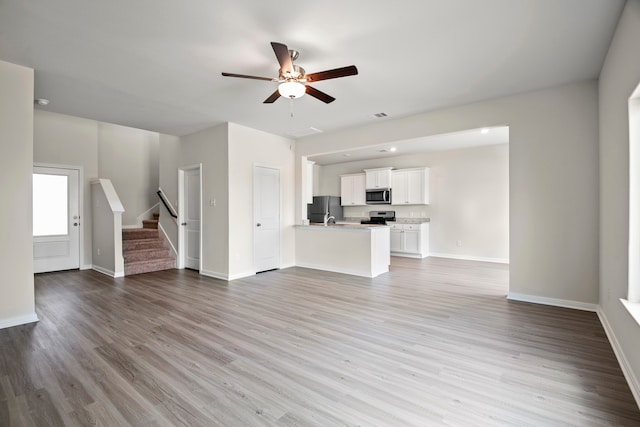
<point>322,205</point>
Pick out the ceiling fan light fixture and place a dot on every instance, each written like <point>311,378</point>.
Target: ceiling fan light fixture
<point>292,89</point>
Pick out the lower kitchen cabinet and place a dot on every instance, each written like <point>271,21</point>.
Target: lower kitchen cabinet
<point>410,240</point>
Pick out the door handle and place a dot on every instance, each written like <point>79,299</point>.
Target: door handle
<point>75,224</point>
<point>184,223</point>
<point>258,225</point>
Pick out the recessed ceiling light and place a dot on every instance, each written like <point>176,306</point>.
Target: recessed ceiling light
<point>42,101</point>
<point>392,149</point>
<point>484,130</point>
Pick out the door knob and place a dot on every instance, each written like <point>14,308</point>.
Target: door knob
<point>184,223</point>
<point>258,225</point>
<point>75,224</point>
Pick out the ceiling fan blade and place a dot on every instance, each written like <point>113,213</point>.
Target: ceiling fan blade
<point>351,70</point>
<point>319,95</point>
<point>284,59</point>
<point>244,76</point>
<point>272,98</point>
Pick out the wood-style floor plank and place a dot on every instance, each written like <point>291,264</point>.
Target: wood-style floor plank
<point>432,342</point>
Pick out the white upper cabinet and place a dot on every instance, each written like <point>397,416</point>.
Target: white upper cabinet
<point>378,178</point>
<point>352,190</point>
<point>410,186</point>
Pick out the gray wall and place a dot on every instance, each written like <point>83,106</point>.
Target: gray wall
<point>620,76</point>
<point>129,158</point>
<point>169,157</point>
<point>210,148</point>
<point>16,168</point>
<point>553,180</point>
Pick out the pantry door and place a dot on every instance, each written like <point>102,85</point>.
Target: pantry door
<point>266,217</point>
<point>56,219</point>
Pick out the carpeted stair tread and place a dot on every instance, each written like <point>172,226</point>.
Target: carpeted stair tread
<point>146,254</point>
<point>139,233</point>
<point>139,244</point>
<point>150,224</point>
<point>147,266</point>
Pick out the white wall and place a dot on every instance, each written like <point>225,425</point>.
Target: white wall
<point>553,180</point>
<point>248,147</point>
<point>17,304</point>
<point>469,198</point>
<point>70,141</point>
<point>210,148</point>
<point>129,158</point>
<point>619,77</point>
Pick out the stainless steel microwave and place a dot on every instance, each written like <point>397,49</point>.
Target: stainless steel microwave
<point>379,196</point>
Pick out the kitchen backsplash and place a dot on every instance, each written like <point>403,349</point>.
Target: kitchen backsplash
<point>416,211</point>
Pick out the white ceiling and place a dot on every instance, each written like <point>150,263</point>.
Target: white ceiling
<point>156,64</point>
<point>450,141</point>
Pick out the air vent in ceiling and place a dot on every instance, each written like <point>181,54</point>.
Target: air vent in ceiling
<point>380,115</point>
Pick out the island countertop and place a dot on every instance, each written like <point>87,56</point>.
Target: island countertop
<point>344,226</point>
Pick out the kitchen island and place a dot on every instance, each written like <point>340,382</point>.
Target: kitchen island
<point>361,250</point>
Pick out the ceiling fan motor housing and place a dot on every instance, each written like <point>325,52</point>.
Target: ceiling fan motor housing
<point>297,74</point>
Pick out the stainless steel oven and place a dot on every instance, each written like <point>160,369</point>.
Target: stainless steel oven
<point>379,196</point>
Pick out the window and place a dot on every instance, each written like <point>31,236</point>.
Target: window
<point>633,298</point>
<point>50,216</point>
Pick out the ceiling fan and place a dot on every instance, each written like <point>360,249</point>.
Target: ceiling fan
<point>293,78</point>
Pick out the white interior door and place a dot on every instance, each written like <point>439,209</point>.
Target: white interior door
<point>191,218</point>
<point>56,219</point>
<point>266,215</point>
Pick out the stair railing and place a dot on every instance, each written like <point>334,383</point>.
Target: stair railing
<point>167,204</point>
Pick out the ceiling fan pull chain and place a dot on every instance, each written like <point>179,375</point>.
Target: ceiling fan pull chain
<point>291,107</point>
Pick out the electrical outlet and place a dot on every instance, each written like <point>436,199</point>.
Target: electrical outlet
<point>459,243</point>
<point>98,251</point>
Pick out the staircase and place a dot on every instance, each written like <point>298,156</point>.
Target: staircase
<point>145,249</point>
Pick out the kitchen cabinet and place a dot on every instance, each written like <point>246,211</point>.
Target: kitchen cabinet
<point>410,186</point>
<point>378,178</point>
<point>352,189</point>
<point>410,240</point>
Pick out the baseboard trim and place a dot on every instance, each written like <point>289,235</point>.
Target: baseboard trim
<point>469,258</point>
<point>19,320</point>
<point>408,255</point>
<point>215,275</point>
<point>576,305</point>
<point>632,380</point>
<point>107,272</point>
<point>242,275</point>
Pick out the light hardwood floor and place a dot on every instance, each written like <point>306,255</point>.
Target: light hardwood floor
<point>433,342</point>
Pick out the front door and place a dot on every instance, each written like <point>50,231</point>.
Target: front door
<point>266,208</point>
<point>56,219</point>
<point>191,218</point>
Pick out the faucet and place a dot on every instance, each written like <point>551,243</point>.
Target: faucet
<point>328,218</point>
